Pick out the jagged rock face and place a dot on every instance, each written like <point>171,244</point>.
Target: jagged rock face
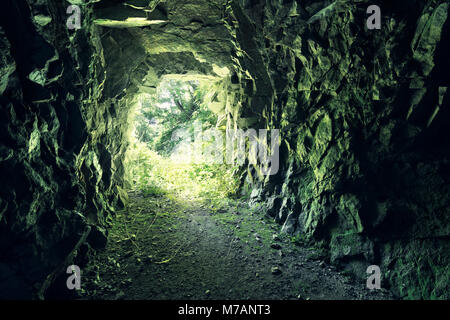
<point>364,161</point>
<point>190,38</point>
<point>66,97</point>
<point>59,149</point>
<point>363,115</point>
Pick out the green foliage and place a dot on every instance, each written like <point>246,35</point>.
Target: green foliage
<point>178,105</point>
<point>299,239</point>
<point>152,191</point>
<point>156,175</point>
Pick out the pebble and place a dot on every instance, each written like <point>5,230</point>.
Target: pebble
<point>276,271</point>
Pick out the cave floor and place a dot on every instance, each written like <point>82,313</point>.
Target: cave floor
<point>166,248</point>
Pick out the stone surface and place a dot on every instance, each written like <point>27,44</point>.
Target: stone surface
<point>363,117</point>
<point>364,161</point>
<point>57,155</point>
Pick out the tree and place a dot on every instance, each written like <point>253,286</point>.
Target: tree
<point>177,105</point>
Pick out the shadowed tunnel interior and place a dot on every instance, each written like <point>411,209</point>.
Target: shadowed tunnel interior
<point>363,179</point>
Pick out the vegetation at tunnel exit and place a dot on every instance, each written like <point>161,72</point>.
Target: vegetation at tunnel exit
<point>150,168</point>
<point>178,105</point>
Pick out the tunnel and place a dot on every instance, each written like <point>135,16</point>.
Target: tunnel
<point>356,114</point>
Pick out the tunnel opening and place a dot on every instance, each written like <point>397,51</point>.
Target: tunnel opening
<point>176,145</point>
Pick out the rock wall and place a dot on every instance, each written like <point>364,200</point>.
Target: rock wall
<point>363,116</point>
<point>66,102</point>
<point>60,148</point>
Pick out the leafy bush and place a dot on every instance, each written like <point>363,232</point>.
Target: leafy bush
<point>178,105</point>
<point>155,175</point>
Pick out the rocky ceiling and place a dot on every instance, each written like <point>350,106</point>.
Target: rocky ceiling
<point>185,37</point>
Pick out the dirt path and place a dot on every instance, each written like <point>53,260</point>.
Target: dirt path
<point>163,248</point>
